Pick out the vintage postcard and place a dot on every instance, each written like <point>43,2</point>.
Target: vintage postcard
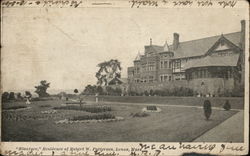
<point>124,77</point>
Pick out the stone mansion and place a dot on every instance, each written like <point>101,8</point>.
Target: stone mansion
<point>211,65</point>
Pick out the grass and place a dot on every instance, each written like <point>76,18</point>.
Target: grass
<point>236,102</point>
<point>172,124</point>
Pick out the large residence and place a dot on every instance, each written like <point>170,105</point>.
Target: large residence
<point>209,66</point>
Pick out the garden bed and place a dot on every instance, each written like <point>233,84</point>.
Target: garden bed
<point>91,109</point>
<point>16,108</point>
<point>151,109</point>
<point>90,119</point>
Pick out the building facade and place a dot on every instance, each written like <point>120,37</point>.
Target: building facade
<point>209,66</point>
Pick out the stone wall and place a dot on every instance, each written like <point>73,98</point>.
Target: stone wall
<point>212,86</point>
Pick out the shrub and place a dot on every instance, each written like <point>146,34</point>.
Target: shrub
<point>146,93</point>
<point>12,96</point>
<point>94,117</point>
<point>151,108</point>
<point>5,97</point>
<point>140,114</point>
<point>207,109</point>
<point>227,106</point>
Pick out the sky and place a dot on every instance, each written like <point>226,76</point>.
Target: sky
<point>64,46</point>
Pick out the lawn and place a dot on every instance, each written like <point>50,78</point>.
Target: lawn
<point>172,124</point>
<point>235,102</point>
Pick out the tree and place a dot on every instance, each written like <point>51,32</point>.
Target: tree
<point>75,91</point>
<point>5,96</point>
<point>19,96</point>
<point>28,94</point>
<point>42,88</point>
<point>90,90</point>
<point>108,70</point>
<point>12,96</point>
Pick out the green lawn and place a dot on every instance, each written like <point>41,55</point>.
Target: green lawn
<point>172,124</point>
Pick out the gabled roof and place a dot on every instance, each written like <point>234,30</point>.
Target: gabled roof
<point>166,47</point>
<point>201,46</point>
<point>118,80</point>
<point>153,48</point>
<point>138,57</point>
<point>209,61</point>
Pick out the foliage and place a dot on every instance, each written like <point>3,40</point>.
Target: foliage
<point>227,105</point>
<point>94,117</point>
<point>19,96</point>
<point>12,96</point>
<point>140,114</point>
<point>91,109</point>
<point>207,109</point>
<point>5,96</point>
<point>151,92</point>
<point>151,108</point>
<point>146,93</point>
<point>113,91</point>
<point>181,91</point>
<point>108,70</point>
<point>28,94</point>
<point>42,88</point>
<point>75,91</point>
<point>90,90</point>
<point>100,90</point>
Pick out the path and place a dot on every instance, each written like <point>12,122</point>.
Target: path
<point>231,130</point>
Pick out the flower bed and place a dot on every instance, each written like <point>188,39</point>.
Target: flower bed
<point>93,117</point>
<point>49,112</point>
<point>140,114</point>
<point>15,107</point>
<point>151,109</point>
<point>92,109</point>
<point>67,121</point>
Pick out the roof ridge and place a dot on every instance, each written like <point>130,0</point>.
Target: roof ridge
<point>208,37</point>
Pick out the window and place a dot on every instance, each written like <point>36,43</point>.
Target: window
<point>170,78</point>
<point>151,79</point>
<point>151,66</point>
<point>177,64</point>
<point>165,64</point>
<point>161,66</point>
<point>170,64</point>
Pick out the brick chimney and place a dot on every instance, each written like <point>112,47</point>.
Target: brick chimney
<point>176,41</point>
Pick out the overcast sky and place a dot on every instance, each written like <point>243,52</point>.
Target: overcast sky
<point>64,46</point>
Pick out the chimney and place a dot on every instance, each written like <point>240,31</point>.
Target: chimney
<point>176,41</point>
<point>150,41</point>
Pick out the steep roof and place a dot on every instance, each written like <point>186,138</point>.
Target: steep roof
<point>201,46</point>
<point>231,60</point>
<point>153,48</point>
<point>138,57</point>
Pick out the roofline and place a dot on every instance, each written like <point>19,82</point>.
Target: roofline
<point>187,57</point>
<point>207,37</point>
<point>209,66</point>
